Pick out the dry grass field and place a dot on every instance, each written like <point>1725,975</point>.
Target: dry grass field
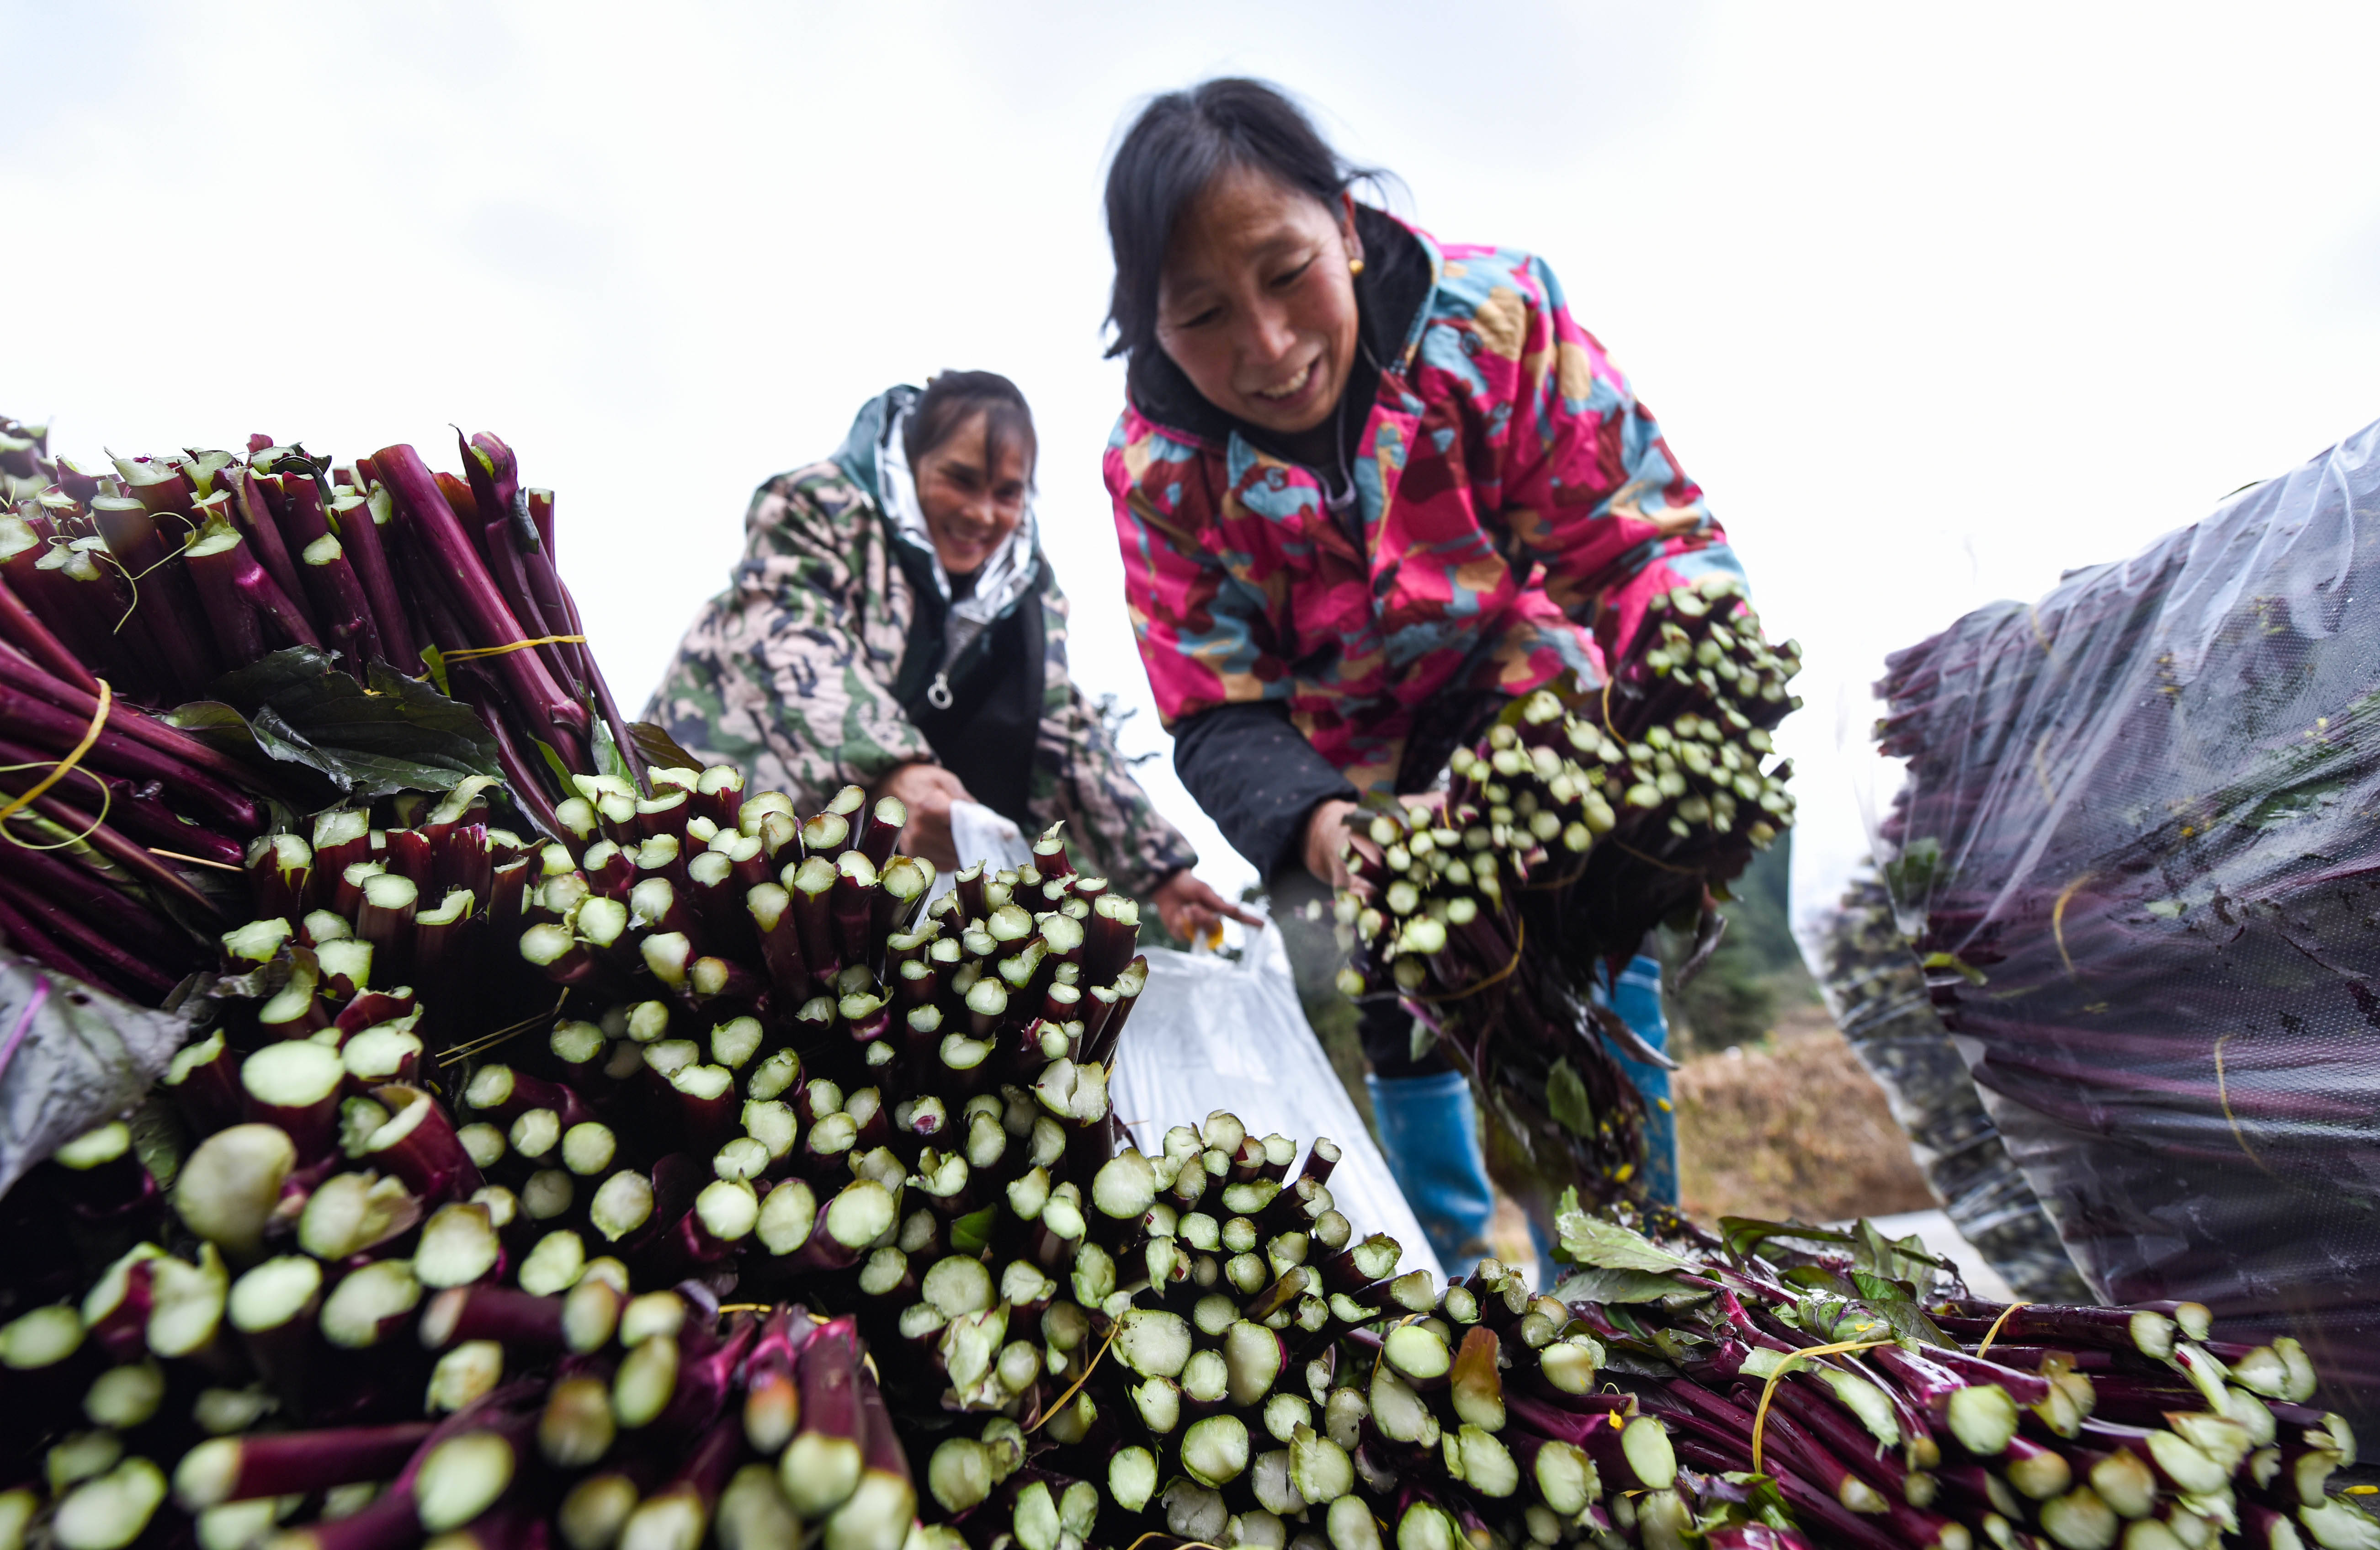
<point>1792,1126</point>
<point>1789,1126</point>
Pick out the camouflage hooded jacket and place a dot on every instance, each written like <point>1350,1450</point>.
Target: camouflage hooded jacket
<point>1506,508</point>
<point>800,671</point>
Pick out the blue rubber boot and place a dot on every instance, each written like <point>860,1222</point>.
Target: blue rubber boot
<point>1429,1132</point>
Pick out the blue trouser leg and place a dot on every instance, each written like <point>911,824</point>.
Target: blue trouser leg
<point>1429,1132</point>
<point>1637,999</point>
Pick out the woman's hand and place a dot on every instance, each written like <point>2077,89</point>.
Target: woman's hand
<point>1327,836</point>
<point>1328,832</point>
<point>1192,911</point>
<point>928,791</point>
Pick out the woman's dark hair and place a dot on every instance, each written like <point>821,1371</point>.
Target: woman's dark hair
<point>1174,148</point>
<point>953,398</point>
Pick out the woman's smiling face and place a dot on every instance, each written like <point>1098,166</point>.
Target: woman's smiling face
<point>1257,303</point>
<point>972,501</point>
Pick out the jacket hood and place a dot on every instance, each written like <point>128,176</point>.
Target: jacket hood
<point>1400,270</point>
<point>876,458</point>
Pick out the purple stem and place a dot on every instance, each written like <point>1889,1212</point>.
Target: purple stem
<point>456,563</point>
<point>541,512</point>
<point>592,675</point>
<point>18,929</point>
<point>239,595</point>
<point>262,525</point>
<point>119,753</point>
<point>130,809</point>
<point>171,610</point>
<point>63,884</point>
<point>117,966</point>
<point>504,563</point>
<point>51,598</point>
<point>185,750</point>
<point>339,596</point>
<point>24,629</point>
<point>360,537</point>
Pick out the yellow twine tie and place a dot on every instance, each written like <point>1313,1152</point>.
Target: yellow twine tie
<point>1160,1534</point>
<point>1115,1327</point>
<point>195,860</point>
<point>1652,860</point>
<point>1993,1332</point>
<point>489,1041</point>
<point>74,757</point>
<point>463,654</point>
<point>106,800</point>
<point>2223,1096</point>
<point>2057,922</point>
<point>1769,1389</point>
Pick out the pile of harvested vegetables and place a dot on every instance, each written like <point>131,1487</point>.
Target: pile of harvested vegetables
<point>1565,835</point>
<point>689,1171</point>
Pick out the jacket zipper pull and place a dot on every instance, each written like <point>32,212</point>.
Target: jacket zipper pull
<point>938,692</point>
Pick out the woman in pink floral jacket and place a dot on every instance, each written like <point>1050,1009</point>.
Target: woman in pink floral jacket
<point>1369,487</point>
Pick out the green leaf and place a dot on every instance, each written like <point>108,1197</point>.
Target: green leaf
<point>1905,1259</point>
<point>1909,877</point>
<point>1910,1325</point>
<point>1599,1285</point>
<point>1594,1244</point>
<point>1818,1278</point>
<point>1956,964</point>
<point>609,759</point>
<point>657,749</point>
<point>1566,1099</point>
<point>971,1232</point>
<point>394,735</point>
<point>1836,1318</point>
<point>1747,1235</point>
<point>1760,1362</point>
<point>562,773</point>
<point>1877,1289</point>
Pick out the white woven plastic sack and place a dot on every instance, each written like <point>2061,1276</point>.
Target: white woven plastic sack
<point>982,838</point>
<point>1210,1032</point>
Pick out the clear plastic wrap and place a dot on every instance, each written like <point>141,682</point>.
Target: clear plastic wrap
<point>1877,995</point>
<point>2137,853</point>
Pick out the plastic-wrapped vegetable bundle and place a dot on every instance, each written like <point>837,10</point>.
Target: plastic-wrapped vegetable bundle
<point>1877,994</point>
<point>2137,827</point>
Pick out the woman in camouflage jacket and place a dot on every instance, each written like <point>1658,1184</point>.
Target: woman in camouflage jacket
<point>894,625</point>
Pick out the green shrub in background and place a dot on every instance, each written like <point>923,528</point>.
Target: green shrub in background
<point>1756,976</point>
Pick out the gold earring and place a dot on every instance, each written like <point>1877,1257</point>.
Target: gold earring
<point>1354,266</point>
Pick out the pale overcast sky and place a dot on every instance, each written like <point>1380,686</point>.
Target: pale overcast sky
<point>1935,301</point>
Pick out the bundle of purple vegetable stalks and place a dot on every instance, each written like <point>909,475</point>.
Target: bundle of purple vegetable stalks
<point>1565,835</point>
<point>2135,849</point>
<point>172,579</point>
<point>418,1272</point>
